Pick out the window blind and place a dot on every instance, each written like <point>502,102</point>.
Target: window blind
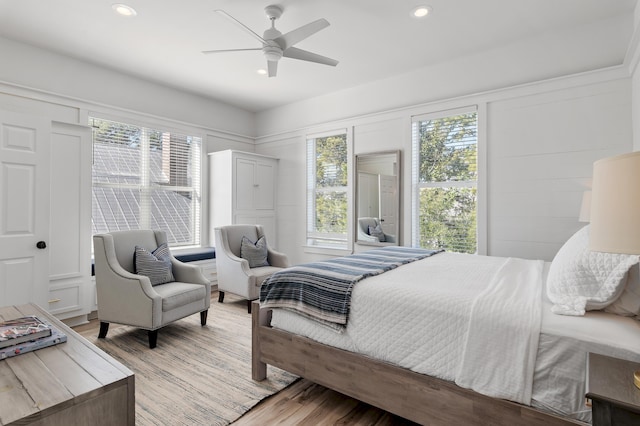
<point>146,178</point>
<point>445,177</point>
<point>327,190</point>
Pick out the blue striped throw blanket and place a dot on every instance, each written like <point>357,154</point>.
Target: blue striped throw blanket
<point>322,290</point>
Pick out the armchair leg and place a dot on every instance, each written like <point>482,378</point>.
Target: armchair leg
<point>104,329</point>
<point>203,317</point>
<point>153,338</point>
<point>249,306</point>
<point>220,296</point>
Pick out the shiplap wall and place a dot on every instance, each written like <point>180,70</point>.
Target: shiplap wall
<point>540,145</point>
<point>541,149</point>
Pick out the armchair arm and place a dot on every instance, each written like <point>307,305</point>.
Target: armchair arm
<point>275,258</point>
<point>186,273</point>
<point>362,237</point>
<point>227,260</point>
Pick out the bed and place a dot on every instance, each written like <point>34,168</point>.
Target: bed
<point>469,381</point>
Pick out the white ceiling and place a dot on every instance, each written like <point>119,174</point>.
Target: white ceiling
<point>372,39</point>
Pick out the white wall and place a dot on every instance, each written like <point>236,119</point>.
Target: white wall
<point>541,148</point>
<point>551,55</point>
<point>540,138</point>
<point>540,141</point>
<point>544,123</point>
<point>65,90</point>
<point>76,83</point>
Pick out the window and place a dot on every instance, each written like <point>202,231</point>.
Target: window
<point>327,191</point>
<point>445,176</point>
<point>145,179</point>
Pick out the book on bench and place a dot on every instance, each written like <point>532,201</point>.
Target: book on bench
<point>55,336</point>
<point>24,329</point>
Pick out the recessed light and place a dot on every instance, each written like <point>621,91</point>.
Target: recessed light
<point>421,11</point>
<point>262,71</point>
<point>123,9</point>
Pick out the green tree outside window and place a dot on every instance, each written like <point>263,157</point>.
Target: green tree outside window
<point>447,180</point>
<point>328,224</point>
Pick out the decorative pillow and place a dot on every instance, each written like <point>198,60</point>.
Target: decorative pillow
<point>376,231</point>
<point>580,279</point>
<point>255,253</point>
<point>628,304</point>
<point>155,265</point>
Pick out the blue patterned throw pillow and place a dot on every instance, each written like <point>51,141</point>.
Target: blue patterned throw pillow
<point>377,232</point>
<point>155,265</point>
<point>255,253</point>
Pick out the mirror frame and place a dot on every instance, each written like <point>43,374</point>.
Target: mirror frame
<point>398,174</point>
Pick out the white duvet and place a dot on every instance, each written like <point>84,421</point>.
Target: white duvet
<point>470,319</point>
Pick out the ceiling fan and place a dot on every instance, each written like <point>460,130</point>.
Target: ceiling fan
<point>275,45</point>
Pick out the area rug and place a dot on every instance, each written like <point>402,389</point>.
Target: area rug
<point>196,375</point>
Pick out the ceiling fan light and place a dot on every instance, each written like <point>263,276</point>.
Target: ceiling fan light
<point>272,53</point>
<point>262,71</point>
<point>123,9</point>
<point>421,11</point>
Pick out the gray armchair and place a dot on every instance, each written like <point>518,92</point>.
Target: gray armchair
<point>234,273</point>
<point>127,298</point>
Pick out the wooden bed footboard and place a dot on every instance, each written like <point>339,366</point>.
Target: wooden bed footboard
<point>417,397</point>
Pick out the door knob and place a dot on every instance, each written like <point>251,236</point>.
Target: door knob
<point>41,245</point>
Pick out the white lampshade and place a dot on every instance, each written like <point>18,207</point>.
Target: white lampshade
<point>615,204</point>
<point>585,207</point>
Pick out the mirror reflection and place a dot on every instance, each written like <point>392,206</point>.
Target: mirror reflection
<point>377,196</point>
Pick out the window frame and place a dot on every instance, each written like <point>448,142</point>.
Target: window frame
<point>314,242</point>
<point>480,183</point>
<point>146,187</point>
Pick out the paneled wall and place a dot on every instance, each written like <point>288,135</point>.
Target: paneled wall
<point>540,142</point>
<point>40,85</point>
<point>84,83</point>
<point>541,149</point>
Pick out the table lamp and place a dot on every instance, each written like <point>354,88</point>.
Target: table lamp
<point>615,208</point>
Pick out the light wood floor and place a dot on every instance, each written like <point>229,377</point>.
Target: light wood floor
<point>303,402</point>
<point>307,403</point>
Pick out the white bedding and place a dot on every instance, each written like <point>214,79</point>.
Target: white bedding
<point>559,377</point>
<point>380,328</point>
<point>418,316</point>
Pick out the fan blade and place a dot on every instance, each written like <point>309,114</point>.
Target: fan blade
<point>240,24</point>
<point>292,37</point>
<point>206,52</point>
<point>273,68</point>
<point>295,53</point>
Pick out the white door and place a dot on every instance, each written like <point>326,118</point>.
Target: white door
<point>388,204</point>
<point>24,208</point>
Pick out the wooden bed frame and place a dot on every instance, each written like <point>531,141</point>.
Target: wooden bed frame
<point>417,397</point>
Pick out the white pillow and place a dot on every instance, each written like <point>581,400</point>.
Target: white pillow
<point>628,304</point>
<point>580,279</point>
